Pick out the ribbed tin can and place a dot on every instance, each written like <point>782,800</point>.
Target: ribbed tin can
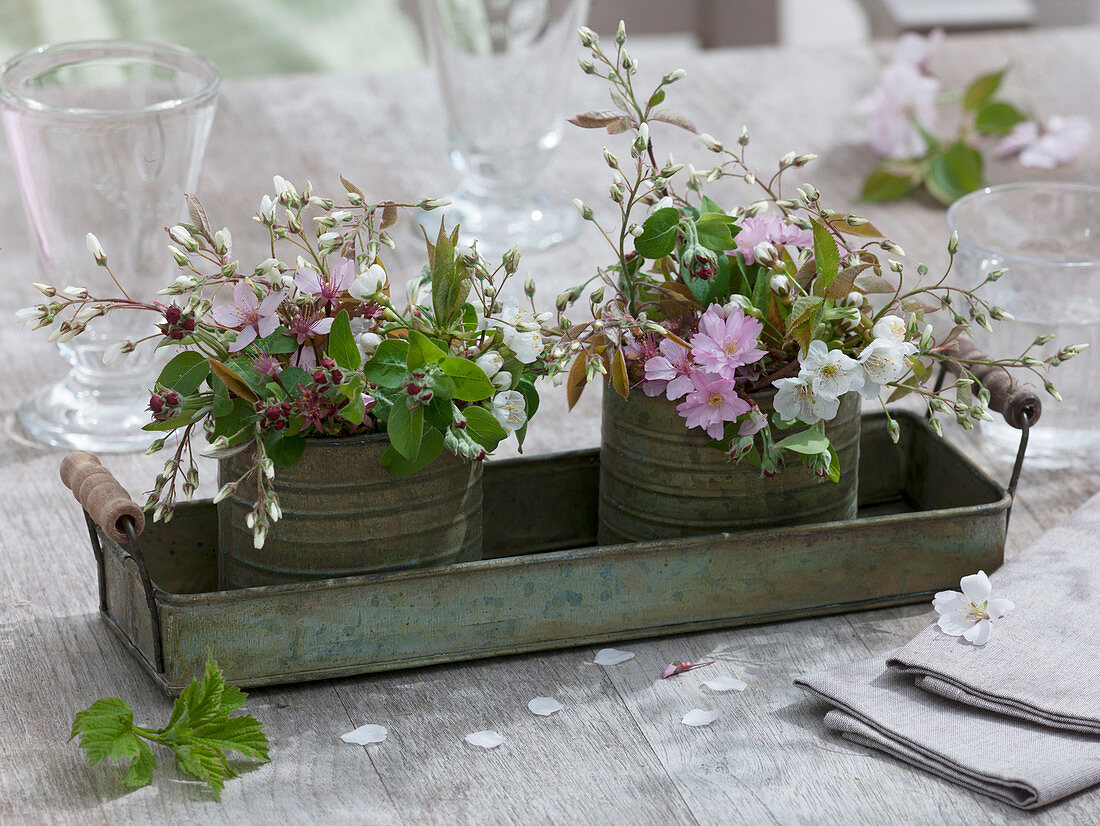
<point>659,480</point>
<point>343,515</point>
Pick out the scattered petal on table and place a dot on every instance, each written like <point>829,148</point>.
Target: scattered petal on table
<point>699,717</point>
<point>612,656</point>
<point>544,706</point>
<point>485,739</point>
<point>365,734</point>
<point>726,684</point>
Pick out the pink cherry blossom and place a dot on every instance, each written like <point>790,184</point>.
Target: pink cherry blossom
<point>904,97</point>
<point>712,402</point>
<point>670,372</point>
<point>724,344</point>
<point>769,228</point>
<point>915,50</point>
<point>329,287</point>
<point>1056,141</point>
<point>248,314</point>
<point>753,422</point>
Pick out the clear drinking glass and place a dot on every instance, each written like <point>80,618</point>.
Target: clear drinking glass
<point>106,137</point>
<point>503,69</point>
<point>1048,237</point>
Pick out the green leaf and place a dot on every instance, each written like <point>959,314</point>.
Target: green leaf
<point>291,378</point>
<point>184,373</point>
<point>834,465</point>
<point>284,451</point>
<point>242,415</point>
<point>657,97</point>
<point>484,428</point>
<point>439,413</point>
<point>430,447</point>
<point>707,206</point>
<point>279,342</point>
<point>954,172</point>
<point>658,236</point>
<point>354,410</point>
<point>998,118</point>
<point>406,429</point>
<point>106,730</point>
<point>450,280</point>
<point>803,318</point>
<point>388,366</point>
<point>233,380</point>
<point>471,383</point>
<point>715,231</point>
<point>826,258</point>
<point>982,89</point>
<point>222,404</point>
<point>422,351</point>
<point>886,185</point>
<point>341,343</point>
<point>807,443</point>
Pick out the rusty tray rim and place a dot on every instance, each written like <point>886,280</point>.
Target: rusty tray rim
<point>658,546</point>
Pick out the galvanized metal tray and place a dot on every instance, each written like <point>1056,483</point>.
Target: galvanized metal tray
<point>927,517</point>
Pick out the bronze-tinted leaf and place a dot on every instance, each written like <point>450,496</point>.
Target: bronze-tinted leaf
<point>235,383</point>
<point>198,215</point>
<point>596,118</point>
<point>871,283</point>
<point>620,125</point>
<point>389,215</point>
<point>673,117</point>
<point>350,187</point>
<point>578,377</point>
<point>619,379</point>
<point>867,230</point>
<point>844,282</point>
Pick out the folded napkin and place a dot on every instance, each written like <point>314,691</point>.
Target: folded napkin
<point>1041,662</point>
<point>1017,718</point>
<point>1012,760</point>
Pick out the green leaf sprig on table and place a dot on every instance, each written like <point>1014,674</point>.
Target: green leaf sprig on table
<point>199,733</point>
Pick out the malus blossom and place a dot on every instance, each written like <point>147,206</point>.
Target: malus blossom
<point>712,402</point>
<point>830,372</point>
<point>971,614</point>
<point>510,409</point>
<point>796,400</point>
<point>725,343</point>
<point>1054,142</point>
<point>521,328</point>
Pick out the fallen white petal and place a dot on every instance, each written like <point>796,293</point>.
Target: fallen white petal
<point>726,684</point>
<point>699,717</point>
<point>485,739</point>
<point>612,656</point>
<point>544,706</point>
<point>365,734</point>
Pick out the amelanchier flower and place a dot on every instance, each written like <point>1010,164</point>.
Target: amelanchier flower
<point>248,314</point>
<point>796,399</point>
<point>510,409</point>
<point>1056,141</point>
<point>724,344</point>
<point>367,284</point>
<point>712,402</point>
<point>670,372</point>
<point>830,372</point>
<point>329,288</point>
<point>971,614</point>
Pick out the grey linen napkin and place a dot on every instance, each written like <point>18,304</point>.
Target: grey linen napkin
<point>1012,760</point>
<point>1024,726</point>
<point>1042,661</point>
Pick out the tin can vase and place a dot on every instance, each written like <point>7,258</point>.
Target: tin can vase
<point>659,480</point>
<point>344,515</point>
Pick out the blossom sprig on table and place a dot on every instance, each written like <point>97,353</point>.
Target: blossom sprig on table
<point>717,309</point>
<point>311,343</point>
<point>902,113</point>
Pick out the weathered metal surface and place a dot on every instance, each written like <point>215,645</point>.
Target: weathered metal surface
<point>659,480</point>
<point>343,515</point>
<point>927,518</point>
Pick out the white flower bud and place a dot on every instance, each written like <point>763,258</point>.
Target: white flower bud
<point>710,142</point>
<point>368,344</point>
<point>223,241</point>
<point>267,210</point>
<point>184,238</point>
<point>96,249</point>
<point>75,292</point>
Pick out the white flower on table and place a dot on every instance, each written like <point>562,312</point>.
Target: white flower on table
<point>971,614</point>
<point>830,372</point>
<point>796,399</point>
<point>510,409</point>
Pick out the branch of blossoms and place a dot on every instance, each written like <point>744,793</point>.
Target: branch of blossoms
<point>758,318</point>
<point>311,343</point>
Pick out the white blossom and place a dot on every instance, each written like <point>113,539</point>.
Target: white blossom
<point>490,363</point>
<point>521,329</point>
<point>830,372</point>
<point>96,249</point>
<point>795,399</point>
<point>971,614</point>
<point>1054,142</point>
<point>27,314</point>
<point>510,409</point>
<point>883,361</point>
<point>367,284</point>
<point>267,210</point>
<point>116,353</point>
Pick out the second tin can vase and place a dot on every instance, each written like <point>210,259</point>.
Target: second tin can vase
<point>344,515</point>
<point>659,480</point>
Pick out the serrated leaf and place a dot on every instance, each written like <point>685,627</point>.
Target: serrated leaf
<point>674,118</point>
<point>341,343</point>
<point>844,282</point>
<point>804,308</point>
<point>826,257</point>
<point>197,215</point>
<point>184,373</point>
<point>998,118</point>
<point>233,381</point>
<point>388,367</point>
<point>350,187</point>
<point>658,236</point>
<point>292,378</point>
<point>714,231</point>
<point>806,443</point>
<point>450,279</point>
<point>982,89</point>
<point>870,282</point>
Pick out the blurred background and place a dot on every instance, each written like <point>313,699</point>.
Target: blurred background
<point>265,37</point>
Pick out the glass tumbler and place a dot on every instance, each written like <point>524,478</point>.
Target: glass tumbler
<point>106,137</point>
<point>504,70</point>
<point>1047,235</point>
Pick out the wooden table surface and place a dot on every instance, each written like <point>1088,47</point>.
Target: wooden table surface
<point>618,752</point>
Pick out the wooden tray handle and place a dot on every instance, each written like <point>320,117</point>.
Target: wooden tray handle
<point>1013,401</point>
<point>100,494</point>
